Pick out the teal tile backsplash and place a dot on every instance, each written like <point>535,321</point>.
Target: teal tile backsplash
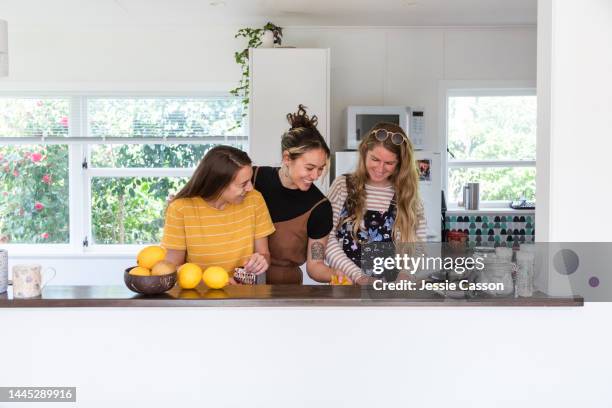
<point>494,230</point>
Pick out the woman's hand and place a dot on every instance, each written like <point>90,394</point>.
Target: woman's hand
<point>341,278</point>
<point>176,256</point>
<point>256,264</point>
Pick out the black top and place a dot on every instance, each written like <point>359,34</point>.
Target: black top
<point>285,204</point>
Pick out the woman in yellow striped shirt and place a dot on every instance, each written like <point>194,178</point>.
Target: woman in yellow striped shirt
<point>218,219</point>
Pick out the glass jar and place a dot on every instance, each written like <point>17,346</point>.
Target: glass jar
<point>525,273</point>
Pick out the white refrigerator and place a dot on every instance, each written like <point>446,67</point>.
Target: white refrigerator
<point>430,185</point>
<point>276,92</point>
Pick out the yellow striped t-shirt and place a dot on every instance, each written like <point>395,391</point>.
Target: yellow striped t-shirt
<point>214,237</point>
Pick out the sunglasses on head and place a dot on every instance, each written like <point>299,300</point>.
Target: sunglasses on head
<point>383,134</point>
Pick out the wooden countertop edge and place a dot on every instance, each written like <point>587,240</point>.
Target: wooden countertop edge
<point>296,302</point>
<point>266,296</point>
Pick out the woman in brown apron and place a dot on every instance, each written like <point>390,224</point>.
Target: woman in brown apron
<point>301,213</point>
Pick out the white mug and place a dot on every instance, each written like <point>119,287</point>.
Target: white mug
<point>27,280</point>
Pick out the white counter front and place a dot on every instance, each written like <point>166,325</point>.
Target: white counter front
<point>307,357</point>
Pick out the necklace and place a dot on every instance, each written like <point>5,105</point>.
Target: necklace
<point>284,177</point>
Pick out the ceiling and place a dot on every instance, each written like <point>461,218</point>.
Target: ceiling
<point>281,12</point>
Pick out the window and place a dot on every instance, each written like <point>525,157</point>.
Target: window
<point>33,177</point>
<point>88,171</point>
<point>491,139</point>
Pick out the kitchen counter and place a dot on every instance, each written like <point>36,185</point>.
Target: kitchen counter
<point>265,296</point>
<point>85,336</point>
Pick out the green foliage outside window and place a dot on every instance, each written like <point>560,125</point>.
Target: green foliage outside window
<point>22,117</point>
<point>492,128</point>
<point>130,210</point>
<point>34,179</point>
<point>495,183</point>
<point>34,194</point>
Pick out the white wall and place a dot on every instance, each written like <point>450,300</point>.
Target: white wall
<point>403,66</point>
<point>575,121</point>
<point>121,57</point>
<point>369,66</point>
<point>80,269</point>
<point>574,124</point>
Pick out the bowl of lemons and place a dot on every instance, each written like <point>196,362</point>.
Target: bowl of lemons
<point>153,274</point>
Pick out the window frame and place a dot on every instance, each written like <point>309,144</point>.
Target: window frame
<point>80,177</point>
<point>459,88</point>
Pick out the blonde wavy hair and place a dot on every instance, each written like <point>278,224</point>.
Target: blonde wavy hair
<point>405,180</point>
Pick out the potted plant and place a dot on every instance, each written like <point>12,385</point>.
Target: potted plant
<point>267,36</point>
<point>274,32</point>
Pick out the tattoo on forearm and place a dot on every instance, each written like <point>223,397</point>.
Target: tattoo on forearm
<point>317,251</point>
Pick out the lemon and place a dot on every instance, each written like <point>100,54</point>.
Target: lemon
<point>336,281</point>
<point>163,268</point>
<point>189,275</point>
<point>151,255</point>
<point>140,271</point>
<point>215,277</point>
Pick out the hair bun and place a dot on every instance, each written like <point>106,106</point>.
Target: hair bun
<point>300,119</point>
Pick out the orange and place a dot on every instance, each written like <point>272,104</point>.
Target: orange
<point>189,275</point>
<point>149,256</point>
<point>215,277</point>
<point>163,268</point>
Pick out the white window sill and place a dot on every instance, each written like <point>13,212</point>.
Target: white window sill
<point>487,210</point>
<point>52,251</point>
<point>69,255</point>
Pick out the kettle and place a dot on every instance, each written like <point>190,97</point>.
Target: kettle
<point>471,196</point>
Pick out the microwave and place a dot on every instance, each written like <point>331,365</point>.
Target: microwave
<point>360,119</point>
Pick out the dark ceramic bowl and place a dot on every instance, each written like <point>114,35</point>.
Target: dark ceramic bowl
<point>149,285</point>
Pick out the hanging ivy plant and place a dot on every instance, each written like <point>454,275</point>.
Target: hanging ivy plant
<point>254,37</point>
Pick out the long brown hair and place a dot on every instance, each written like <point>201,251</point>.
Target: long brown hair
<point>405,180</point>
<point>303,135</point>
<point>214,173</point>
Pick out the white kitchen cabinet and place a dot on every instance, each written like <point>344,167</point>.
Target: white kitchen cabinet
<point>281,79</point>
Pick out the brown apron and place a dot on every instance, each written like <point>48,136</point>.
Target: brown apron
<point>288,248</point>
